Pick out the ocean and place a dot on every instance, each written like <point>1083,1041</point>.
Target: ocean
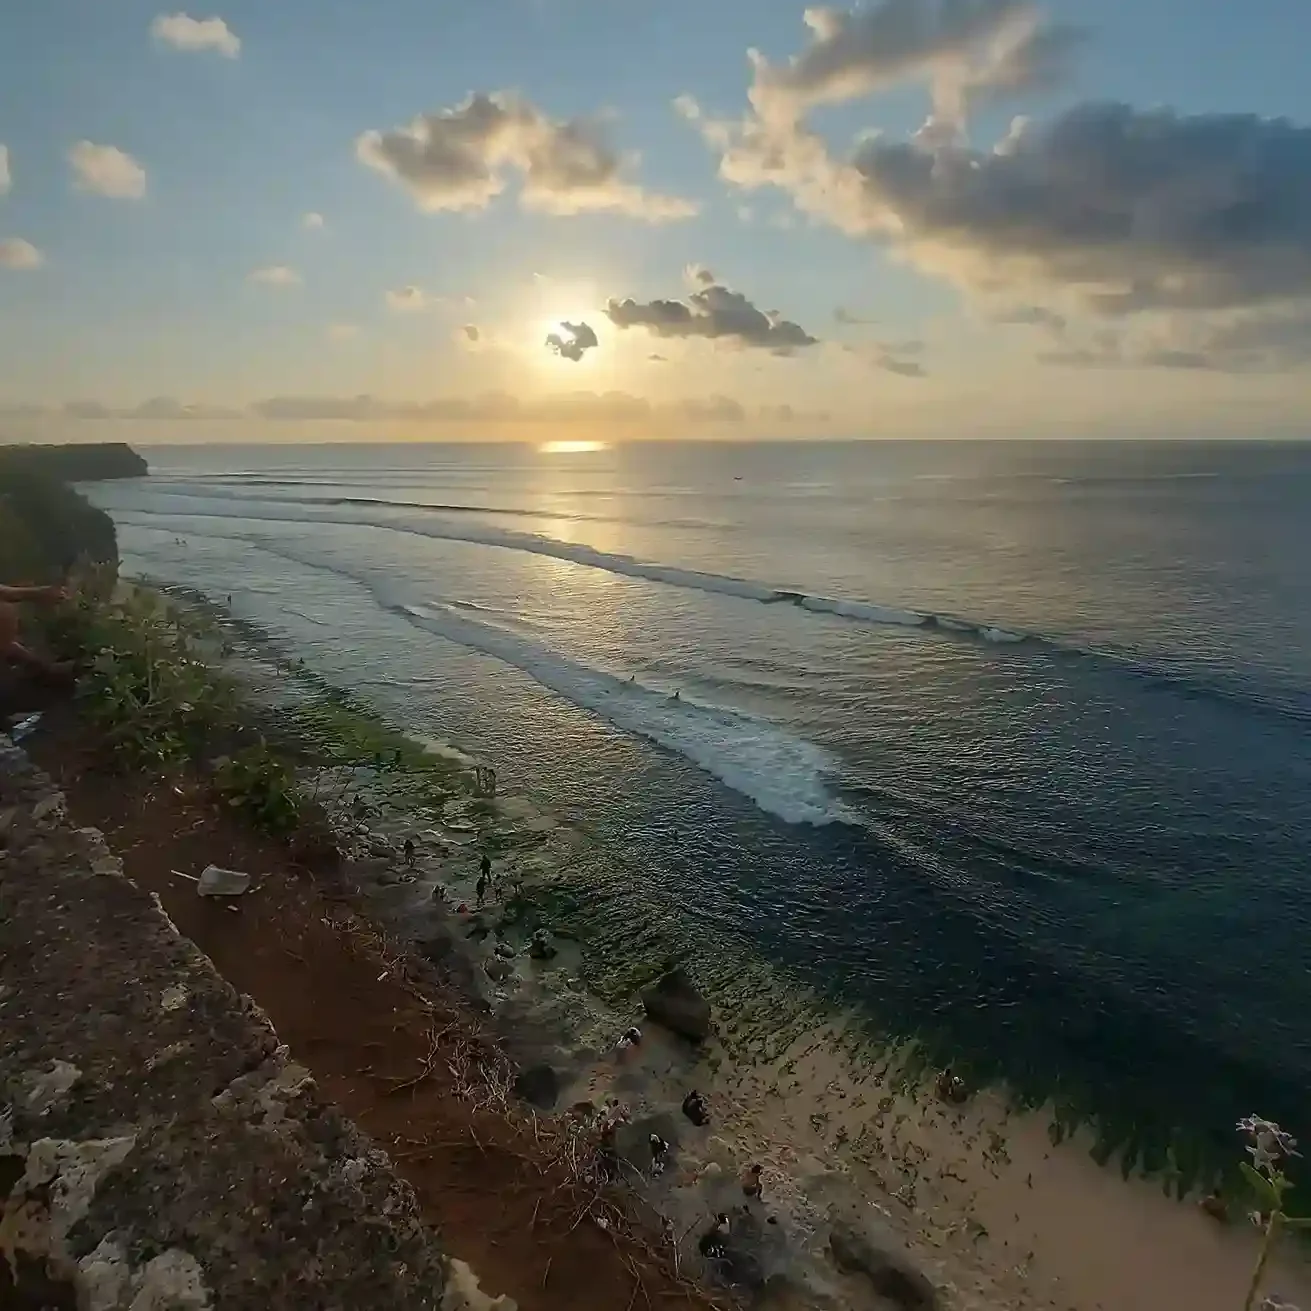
<point>1004,746</point>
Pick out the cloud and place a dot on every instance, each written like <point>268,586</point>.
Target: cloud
<point>458,158</point>
<point>107,171</point>
<point>845,316</point>
<point>312,221</point>
<point>471,332</point>
<point>1264,340</point>
<point>408,299</point>
<point>501,408</point>
<point>714,312</point>
<point>15,253</point>
<point>167,407</point>
<point>6,178</point>
<point>1114,209</point>
<point>275,275</point>
<point>156,408</point>
<point>697,275</point>
<point>1127,209</point>
<point>964,50</point>
<point>656,358</point>
<point>574,342</point>
<point>906,368</point>
<point>712,409</point>
<point>1034,316</point>
<point>181,32</point>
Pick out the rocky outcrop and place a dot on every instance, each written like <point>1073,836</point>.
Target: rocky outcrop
<point>158,1147</point>
<point>875,1253</point>
<point>675,1002</point>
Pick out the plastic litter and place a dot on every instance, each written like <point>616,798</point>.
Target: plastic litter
<point>24,727</point>
<point>217,882</point>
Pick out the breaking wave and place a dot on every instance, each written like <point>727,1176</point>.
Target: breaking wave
<point>431,525</point>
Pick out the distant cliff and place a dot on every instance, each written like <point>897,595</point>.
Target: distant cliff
<point>75,464</point>
<point>46,526</point>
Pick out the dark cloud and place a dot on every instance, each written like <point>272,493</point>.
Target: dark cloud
<point>1105,210</point>
<point>471,332</point>
<point>574,342</point>
<point>963,48</point>
<point>656,358</point>
<point>458,159</point>
<point>714,312</point>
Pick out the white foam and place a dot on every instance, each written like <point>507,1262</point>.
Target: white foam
<point>782,774</point>
<point>464,530</point>
<point>863,611</point>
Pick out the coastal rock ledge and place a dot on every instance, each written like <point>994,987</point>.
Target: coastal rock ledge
<point>675,1002</point>
<point>158,1146</point>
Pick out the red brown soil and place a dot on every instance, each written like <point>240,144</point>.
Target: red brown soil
<point>340,1000</point>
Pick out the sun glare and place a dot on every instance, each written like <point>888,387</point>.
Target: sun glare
<point>570,448</point>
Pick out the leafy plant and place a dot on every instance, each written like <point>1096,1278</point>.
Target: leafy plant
<point>1270,1147</point>
<point>146,686</point>
<point>258,785</point>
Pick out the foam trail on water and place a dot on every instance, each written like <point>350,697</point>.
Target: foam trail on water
<point>432,526</point>
<point>784,775</point>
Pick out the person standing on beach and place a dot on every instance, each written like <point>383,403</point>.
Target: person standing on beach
<point>481,890</point>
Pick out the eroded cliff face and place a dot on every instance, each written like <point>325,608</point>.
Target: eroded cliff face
<point>158,1146</point>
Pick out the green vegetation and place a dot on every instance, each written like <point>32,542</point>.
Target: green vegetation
<point>45,525</point>
<point>154,688</point>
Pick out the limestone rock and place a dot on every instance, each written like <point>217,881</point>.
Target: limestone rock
<point>675,1002</point>
<point>498,969</point>
<point>881,1258</point>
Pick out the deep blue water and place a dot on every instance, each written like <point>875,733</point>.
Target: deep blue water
<point>1005,742</point>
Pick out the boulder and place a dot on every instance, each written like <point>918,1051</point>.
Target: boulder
<point>883,1260</point>
<point>675,1002</point>
<point>498,968</point>
<point>538,1085</point>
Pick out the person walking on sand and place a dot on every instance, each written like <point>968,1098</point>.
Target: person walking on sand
<point>12,651</point>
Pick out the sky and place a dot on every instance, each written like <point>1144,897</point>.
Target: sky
<point>299,219</point>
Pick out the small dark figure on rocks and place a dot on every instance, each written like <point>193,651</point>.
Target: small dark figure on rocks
<point>540,947</point>
<point>751,1184</point>
<point>629,1039</point>
<point>659,1153</point>
<point>481,889</point>
<point>694,1107</point>
<point>951,1088</point>
<point>409,851</point>
<point>439,893</point>
<point>487,867</point>
<point>713,1244</point>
